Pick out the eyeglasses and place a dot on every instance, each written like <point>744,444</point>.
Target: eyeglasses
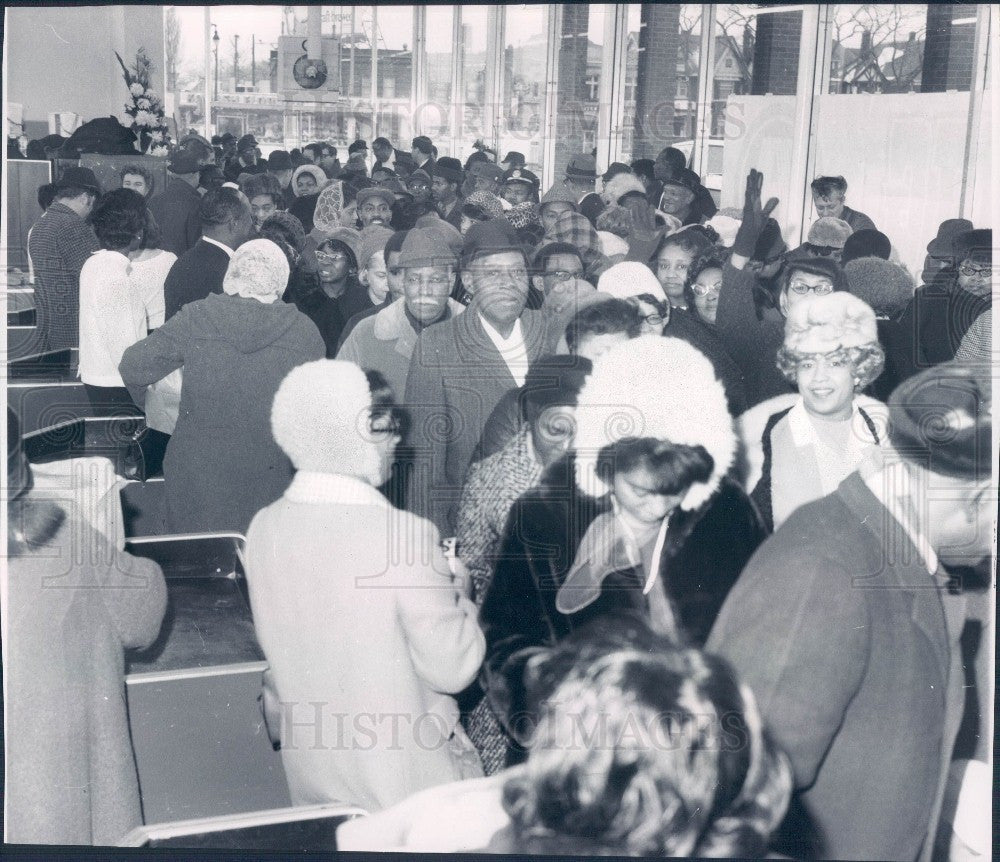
<point>386,426</point>
<point>706,289</point>
<point>968,267</point>
<point>560,275</point>
<point>499,274</point>
<point>656,319</point>
<point>801,288</point>
<point>331,257</point>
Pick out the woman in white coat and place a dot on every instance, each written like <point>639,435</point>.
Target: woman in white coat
<point>366,630</point>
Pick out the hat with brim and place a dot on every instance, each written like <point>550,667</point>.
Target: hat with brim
<point>183,161</point>
<point>686,179</point>
<point>79,178</point>
<point>489,237</point>
<point>974,243</point>
<point>449,169</point>
<point>520,176</point>
<point>940,246</point>
<point>559,193</point>
<point>486,171</point>
<point>582,167</point>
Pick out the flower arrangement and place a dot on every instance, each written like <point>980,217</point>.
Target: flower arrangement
<point>144,113</point>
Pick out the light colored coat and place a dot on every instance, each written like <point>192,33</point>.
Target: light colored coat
<point>384,342</point>
<point>367,633</point>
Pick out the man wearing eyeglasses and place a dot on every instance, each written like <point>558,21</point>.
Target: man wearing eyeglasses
<point>752,337</point>
<point>461,368</point>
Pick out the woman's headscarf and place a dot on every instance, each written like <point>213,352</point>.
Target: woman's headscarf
<point>258,270</point>
<point>329,206</point>
<point>317,174</point>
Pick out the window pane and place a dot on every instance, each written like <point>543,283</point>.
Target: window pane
<point>661,79</point>
<point>524,83</point>
<point>581,51</point>
<point>434,115</point>
<point>897,48</point>
<point>472,65</point>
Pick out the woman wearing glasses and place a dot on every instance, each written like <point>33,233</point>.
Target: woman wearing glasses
<point>831,353</point>
<point>365,629</point>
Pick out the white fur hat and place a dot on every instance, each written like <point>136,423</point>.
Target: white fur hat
<point>726,227</point>
<point>258,270</point>
<point>319,418</point>
<point>630,278</point>
<point>622,184</point>
<point>653,387</point>
<point>822,324</point>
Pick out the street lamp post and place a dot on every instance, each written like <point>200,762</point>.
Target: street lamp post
<point>215,42</point>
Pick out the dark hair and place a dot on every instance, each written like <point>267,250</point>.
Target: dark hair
<point>423,144</point>
<point>689,240</point>
<point>552,381</point>
<point>118,218</point>
<point>381,142</point>
<point>604,318</point>
<point>674,466</point>
<point>647,784</point>
<point>151,235</point>
<point>46,194</point>
<point>384,402</point>
<point>340,245</point>
<point>643,168</point>
<point>211,173</point>
<point>713,258</point>
<point>283,237</point>
<point>826,186</point>
<point>395,243</point>
<point>263,184</point>
<point>550,250</point>
<point>821,266</point>
<point>673,157</point>
<point>143,172</point>
<point>221,206</point>
<point>64,193</point>
<point>315,148</point>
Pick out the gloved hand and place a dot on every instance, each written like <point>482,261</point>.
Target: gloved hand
<point>754,216</point>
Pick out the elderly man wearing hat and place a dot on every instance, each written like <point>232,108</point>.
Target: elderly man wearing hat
<point>384,342</point>
<point>446,187</point>
<point>462,368</point>
<point>846,627</point>
<point>519,185</point>
<point>279,166</point>
<point>176,207</point>
<point>59,244</point>
<point>677,199</point>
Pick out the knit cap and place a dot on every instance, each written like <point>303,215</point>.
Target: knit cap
<point>319,418</point>
<point>424,247</point>
<point>829,232</point>
<point>559,193</point>
<point>885,286</point>
<point>373,239</point>
<point>291,224</point>
<point>866,243</point>
<point>258,270</point>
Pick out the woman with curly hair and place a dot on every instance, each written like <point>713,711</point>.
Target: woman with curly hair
<point>704,283</point>
<point>831,353</point>
<point>642,748</point>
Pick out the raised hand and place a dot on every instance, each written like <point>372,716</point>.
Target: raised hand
<point>755,216</point>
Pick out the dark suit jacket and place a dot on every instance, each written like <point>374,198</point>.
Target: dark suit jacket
<point>850,647</point>
<point>176,212</point>
<point>194,275</point>
<point>456,378</point>
<point>703,555</point>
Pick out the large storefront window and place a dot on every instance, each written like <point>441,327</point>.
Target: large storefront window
<point>901,48</point>
<point>523,103</point>
<point>661,78</point>
<point>434,108</point>
<point>474,112</point>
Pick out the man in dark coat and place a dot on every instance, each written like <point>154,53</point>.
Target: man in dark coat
<point>828,199</point>
<point>446,185</point>
<point>461,368</point>
<point>846,628</point>
<point>59,245</point>
<point>226,221</point>
<point>244,161</point>
<point>176,207</point>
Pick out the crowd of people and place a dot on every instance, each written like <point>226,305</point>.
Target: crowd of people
<point>629,528</point>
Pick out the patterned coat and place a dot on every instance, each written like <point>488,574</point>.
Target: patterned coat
<point>59,245</point>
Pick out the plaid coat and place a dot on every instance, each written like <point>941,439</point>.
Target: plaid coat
<point>59,245</point>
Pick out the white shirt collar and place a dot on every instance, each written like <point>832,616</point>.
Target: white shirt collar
<point>222,245</point>
<point>512,349</point>
<point>893,488</point>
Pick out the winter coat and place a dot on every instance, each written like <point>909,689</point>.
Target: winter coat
<point>687,326</point>
<point>73,606</point>
<point>457,376</point>
<point>704,553</point>
<point>222,464</point>
<point>384,342</point>
<point>357,612</point>
<point>176,210</point>
<point>851,649</point>
<point>195,274</point>
<point>59,244</point>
